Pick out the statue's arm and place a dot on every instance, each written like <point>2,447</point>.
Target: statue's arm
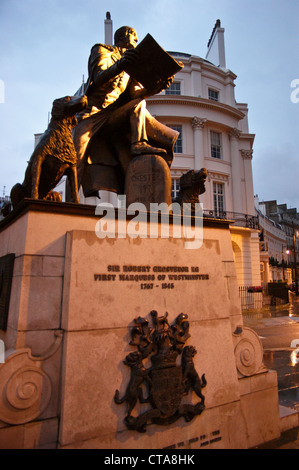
<point>101,69</point>
<point>138,91</point>
<point>102,72</point>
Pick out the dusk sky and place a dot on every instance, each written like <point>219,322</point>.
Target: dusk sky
<point>45,46</point>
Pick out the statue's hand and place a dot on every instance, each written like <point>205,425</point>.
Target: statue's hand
<point>167,82</point>
<point>130,58</point>
<point>161,85</point>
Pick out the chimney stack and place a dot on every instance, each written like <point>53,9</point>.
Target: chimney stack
<point>108,29</point>
<point>216,49</point>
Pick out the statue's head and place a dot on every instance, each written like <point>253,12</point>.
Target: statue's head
<point>125,37</point>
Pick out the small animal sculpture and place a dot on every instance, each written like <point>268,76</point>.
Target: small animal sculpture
<point>54,156</point>
<point>160,323</point>
<point>140,336</point>
<point>138,375</point>
<point>191,379</point>
<point>192,184</point>
<point>180,331</point>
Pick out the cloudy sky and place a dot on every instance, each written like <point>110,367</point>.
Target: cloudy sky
<point>44,48</point>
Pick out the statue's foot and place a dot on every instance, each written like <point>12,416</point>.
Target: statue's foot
<point>142,148</point>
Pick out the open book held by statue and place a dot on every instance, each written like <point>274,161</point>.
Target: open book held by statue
<point>155,65</point>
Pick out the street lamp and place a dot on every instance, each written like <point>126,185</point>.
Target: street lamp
<point>287,253</point>
<point>295,259</point>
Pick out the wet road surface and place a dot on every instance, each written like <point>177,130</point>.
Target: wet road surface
<point>286,363</point>
<point>278,329</point>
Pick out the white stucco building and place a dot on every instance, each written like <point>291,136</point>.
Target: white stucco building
<point>214,134</point>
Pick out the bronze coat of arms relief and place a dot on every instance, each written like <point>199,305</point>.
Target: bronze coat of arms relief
<point>171,376</point>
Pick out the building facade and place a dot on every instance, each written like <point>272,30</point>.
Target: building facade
<point>279,240</point>
<point>273,249</point>
<point>214,134</point>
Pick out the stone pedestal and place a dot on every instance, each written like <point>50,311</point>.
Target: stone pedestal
<point>74,297</point>
<point>148,181</point>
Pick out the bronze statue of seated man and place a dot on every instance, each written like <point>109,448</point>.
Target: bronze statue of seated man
<point>116,126</point>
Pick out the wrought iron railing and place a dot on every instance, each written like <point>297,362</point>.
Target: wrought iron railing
<point>251,297</point>
<point>241,220</point>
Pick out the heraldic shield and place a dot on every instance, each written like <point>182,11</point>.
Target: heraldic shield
<point>167,390</point>
<point>166,382</point>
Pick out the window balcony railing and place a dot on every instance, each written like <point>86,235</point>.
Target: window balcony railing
<point>240,220</point>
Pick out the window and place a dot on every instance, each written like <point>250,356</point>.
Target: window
<point>216,145</point>
<point>218,196</point>
<point>213,95</point>
<point>175,187</point>
<point>173,89</point>
<point>178,146</point>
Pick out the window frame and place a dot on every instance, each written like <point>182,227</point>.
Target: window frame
<point>171,91</point>
<point>175,187</point>
<point>213,90</point>
<point>178,146</point>
<point>216,148</point>
<point>219,205</point>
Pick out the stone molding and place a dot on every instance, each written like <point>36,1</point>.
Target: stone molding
<point>235,133</point>
<point>178,172</point>
<point>248,352</point>
<point>213,175</point>
<point>25,389</point>
<point>246,154</point>
<point>198,123</point>
<point>202,103</point>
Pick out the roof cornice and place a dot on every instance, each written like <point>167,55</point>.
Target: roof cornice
<point>189,60</point>
<point>197,103</point>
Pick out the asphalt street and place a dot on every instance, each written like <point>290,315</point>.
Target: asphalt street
<point>278,330</point>
<point>277,327</point>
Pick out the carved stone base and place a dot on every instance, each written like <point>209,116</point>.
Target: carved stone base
<point>25,389</point>
<point>89,289</point>
<point>248,352</point>
<point>148,181</point>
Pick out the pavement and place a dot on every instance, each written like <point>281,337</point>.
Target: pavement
<point>288,440</point>
<point>286,362</point>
